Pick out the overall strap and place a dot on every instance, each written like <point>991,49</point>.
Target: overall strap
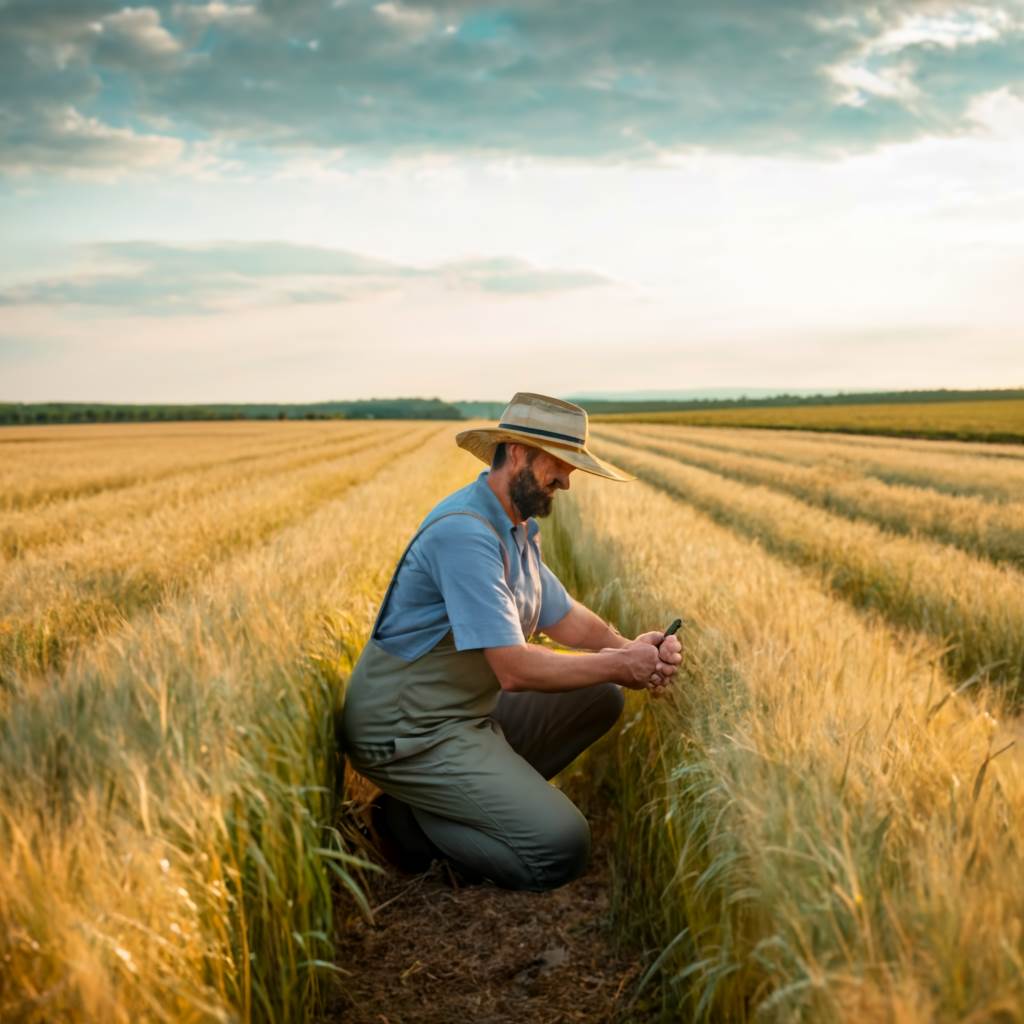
<point>408,548</point>
<point>536,612</point>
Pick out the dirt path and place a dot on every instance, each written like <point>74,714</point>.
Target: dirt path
<point>439,954</point>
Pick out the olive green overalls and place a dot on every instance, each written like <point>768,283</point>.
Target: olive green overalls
<point>472,760</point>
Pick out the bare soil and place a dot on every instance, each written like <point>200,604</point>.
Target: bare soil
<point>439,952</point>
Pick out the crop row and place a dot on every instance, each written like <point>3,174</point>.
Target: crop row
<point>53,600</point>
<point>991,530</point>
<point>811,827</point>
<point>106,512</point>
<point>74,462</point>
<point>959,470</point>
<point>166,801</point>
<point>916,584</point>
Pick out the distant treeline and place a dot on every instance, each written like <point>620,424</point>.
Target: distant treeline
<point>435,409</point>
<point>96,412</point>
<point>601,406</point>
<point>481,410</point>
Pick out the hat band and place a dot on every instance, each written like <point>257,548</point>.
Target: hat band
<point>543,433</point>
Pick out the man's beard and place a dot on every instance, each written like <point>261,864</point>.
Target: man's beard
<point>529,498</point>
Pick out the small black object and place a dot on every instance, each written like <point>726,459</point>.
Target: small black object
<point>673,628</point>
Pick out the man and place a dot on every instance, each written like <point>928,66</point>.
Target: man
<point>450,710</point>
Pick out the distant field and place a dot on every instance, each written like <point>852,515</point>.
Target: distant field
<point>967,421</point>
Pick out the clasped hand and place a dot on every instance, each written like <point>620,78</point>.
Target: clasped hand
<point>653,660</point>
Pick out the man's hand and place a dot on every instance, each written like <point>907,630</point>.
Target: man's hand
<point>648,667</point>
<point>669,657</point>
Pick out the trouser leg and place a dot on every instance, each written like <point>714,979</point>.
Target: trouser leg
<point>550,730</point>
<point>484,802</point>
<point>485,807</point>
<point>500,860</point>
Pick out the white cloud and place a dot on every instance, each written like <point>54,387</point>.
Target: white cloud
<point>315,168</point>
<point>407,18</point>
<point>209,160</point>
<point>859,83</point>
<point>153,279</point>
<point>71,143</point>
<point>140,29</point>
<point>232,15</point>
<point>869,71</point>
<point>1000,114</point>
<point>958,26</point>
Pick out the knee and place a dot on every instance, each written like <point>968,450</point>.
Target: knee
<point>567,853</point>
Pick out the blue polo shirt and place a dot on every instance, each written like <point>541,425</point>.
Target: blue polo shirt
<point>453,577</point>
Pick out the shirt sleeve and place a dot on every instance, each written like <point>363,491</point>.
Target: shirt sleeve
<point>463,556</point>
<point>555,602</point>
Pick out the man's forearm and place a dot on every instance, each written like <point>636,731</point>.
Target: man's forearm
<point>583,629</point>
<point>533,667</point>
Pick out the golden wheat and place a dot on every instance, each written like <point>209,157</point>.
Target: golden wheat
<point>52,600</point>
<point>815,826</point>
<point>64,520</point>
<point>990,471</point>
<point>978,607</point>
<point>981,527</point>
<point>811,828</point>
<point>43,465</point>
<point>166,801</point>
<point>1001,420</point>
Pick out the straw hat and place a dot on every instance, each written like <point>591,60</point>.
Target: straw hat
<point>559,428</point>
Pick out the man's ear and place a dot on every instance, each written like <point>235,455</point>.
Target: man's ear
<point>518,454</point>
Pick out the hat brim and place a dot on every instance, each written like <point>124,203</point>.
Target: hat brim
<point>482,441</point>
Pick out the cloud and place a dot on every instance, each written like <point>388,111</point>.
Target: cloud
<point>65,141</point>
<point>56,61</point>
<point>152,279</point>
<point>133,39</point>
<point>572,79</point>
<point>516,276</point>
<point>896,62</point>
<point>408,19</point>
<point>243,16</point>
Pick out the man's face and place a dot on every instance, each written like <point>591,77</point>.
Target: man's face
<point>532,487</point>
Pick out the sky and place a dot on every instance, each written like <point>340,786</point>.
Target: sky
<point>305,200</point>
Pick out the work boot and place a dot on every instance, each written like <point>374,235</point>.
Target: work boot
<point>400,839</point>
<point>460,876</point>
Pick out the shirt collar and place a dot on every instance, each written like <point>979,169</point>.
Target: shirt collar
<point>499,517</point>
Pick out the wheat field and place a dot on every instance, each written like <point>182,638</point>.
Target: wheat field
<point>1000,420</point>
<point>168,809</point>
<point>821,822</point>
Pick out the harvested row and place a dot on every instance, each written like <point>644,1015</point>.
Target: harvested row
<point>165,805</point>
<point>106,512</point>
<point>938,590</point>
<point>997,479</point>
<point>805,829</point>
<point>50,604</point>
<point>994,531</point>
<point>98,461</point>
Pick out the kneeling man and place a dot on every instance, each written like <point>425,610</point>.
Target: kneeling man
<point>450,711</point>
